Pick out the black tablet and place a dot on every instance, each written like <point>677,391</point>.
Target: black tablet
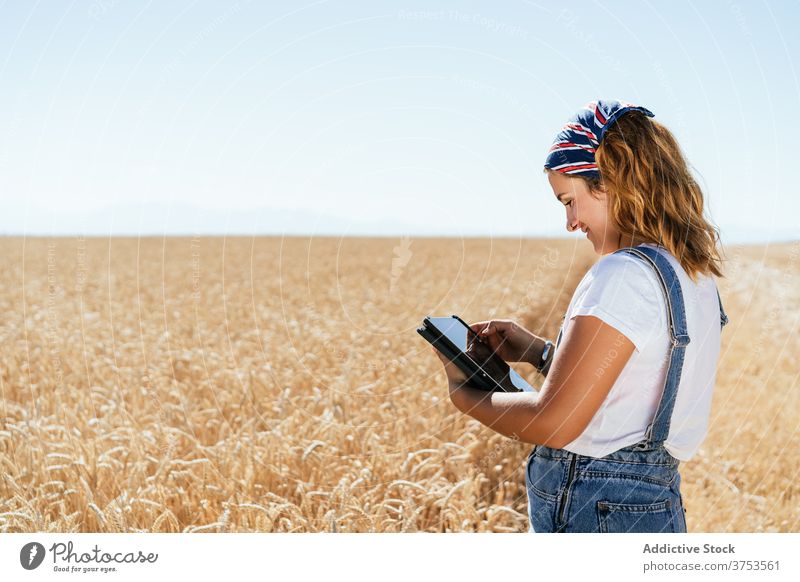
<point>484,369</point>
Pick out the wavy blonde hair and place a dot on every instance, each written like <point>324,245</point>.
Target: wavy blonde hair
<point>652,194</point>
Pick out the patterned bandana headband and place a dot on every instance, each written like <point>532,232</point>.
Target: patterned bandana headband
<point>573,149</point>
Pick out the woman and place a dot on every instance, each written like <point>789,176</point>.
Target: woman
<point>628,386</point>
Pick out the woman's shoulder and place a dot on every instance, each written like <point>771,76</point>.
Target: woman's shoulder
<point>637,269</point>
<point>624,269</point>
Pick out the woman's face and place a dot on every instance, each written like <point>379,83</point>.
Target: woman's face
<point>585,212</point>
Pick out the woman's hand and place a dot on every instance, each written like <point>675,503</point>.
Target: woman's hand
<point>458,387</point>
<point>455,376</point>
<point>509,340</point>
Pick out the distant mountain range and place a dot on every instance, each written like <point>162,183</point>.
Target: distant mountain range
<point>187,220</point>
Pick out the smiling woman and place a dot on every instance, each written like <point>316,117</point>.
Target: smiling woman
<point>587,210</point>
<point>627,396</point>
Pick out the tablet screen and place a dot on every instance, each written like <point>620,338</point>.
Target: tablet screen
<point>453,329</point>
<point>457,332</point>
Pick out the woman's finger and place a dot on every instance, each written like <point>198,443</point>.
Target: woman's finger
<point>483,328</point>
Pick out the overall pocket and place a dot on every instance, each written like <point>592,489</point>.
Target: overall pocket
<point>654,517</point>
<point>545,477</point>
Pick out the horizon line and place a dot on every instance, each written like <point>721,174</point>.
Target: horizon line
<point>122,235</point>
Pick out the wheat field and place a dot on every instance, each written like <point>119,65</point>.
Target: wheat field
<point>278,384</point>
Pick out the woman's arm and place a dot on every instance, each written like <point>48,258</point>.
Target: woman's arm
<point>589,360</point>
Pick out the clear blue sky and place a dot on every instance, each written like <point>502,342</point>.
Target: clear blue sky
<point>123,117</point>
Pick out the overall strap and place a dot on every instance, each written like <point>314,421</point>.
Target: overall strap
<point>658,430</point>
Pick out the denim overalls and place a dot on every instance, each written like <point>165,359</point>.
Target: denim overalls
<point>634,489</point>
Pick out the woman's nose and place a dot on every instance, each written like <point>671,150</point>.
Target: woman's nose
<point>572,224</point>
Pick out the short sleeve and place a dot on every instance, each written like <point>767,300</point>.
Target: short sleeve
<point>623,292</point>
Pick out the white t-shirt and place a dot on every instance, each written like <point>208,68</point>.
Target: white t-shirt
<point>625,293</point>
